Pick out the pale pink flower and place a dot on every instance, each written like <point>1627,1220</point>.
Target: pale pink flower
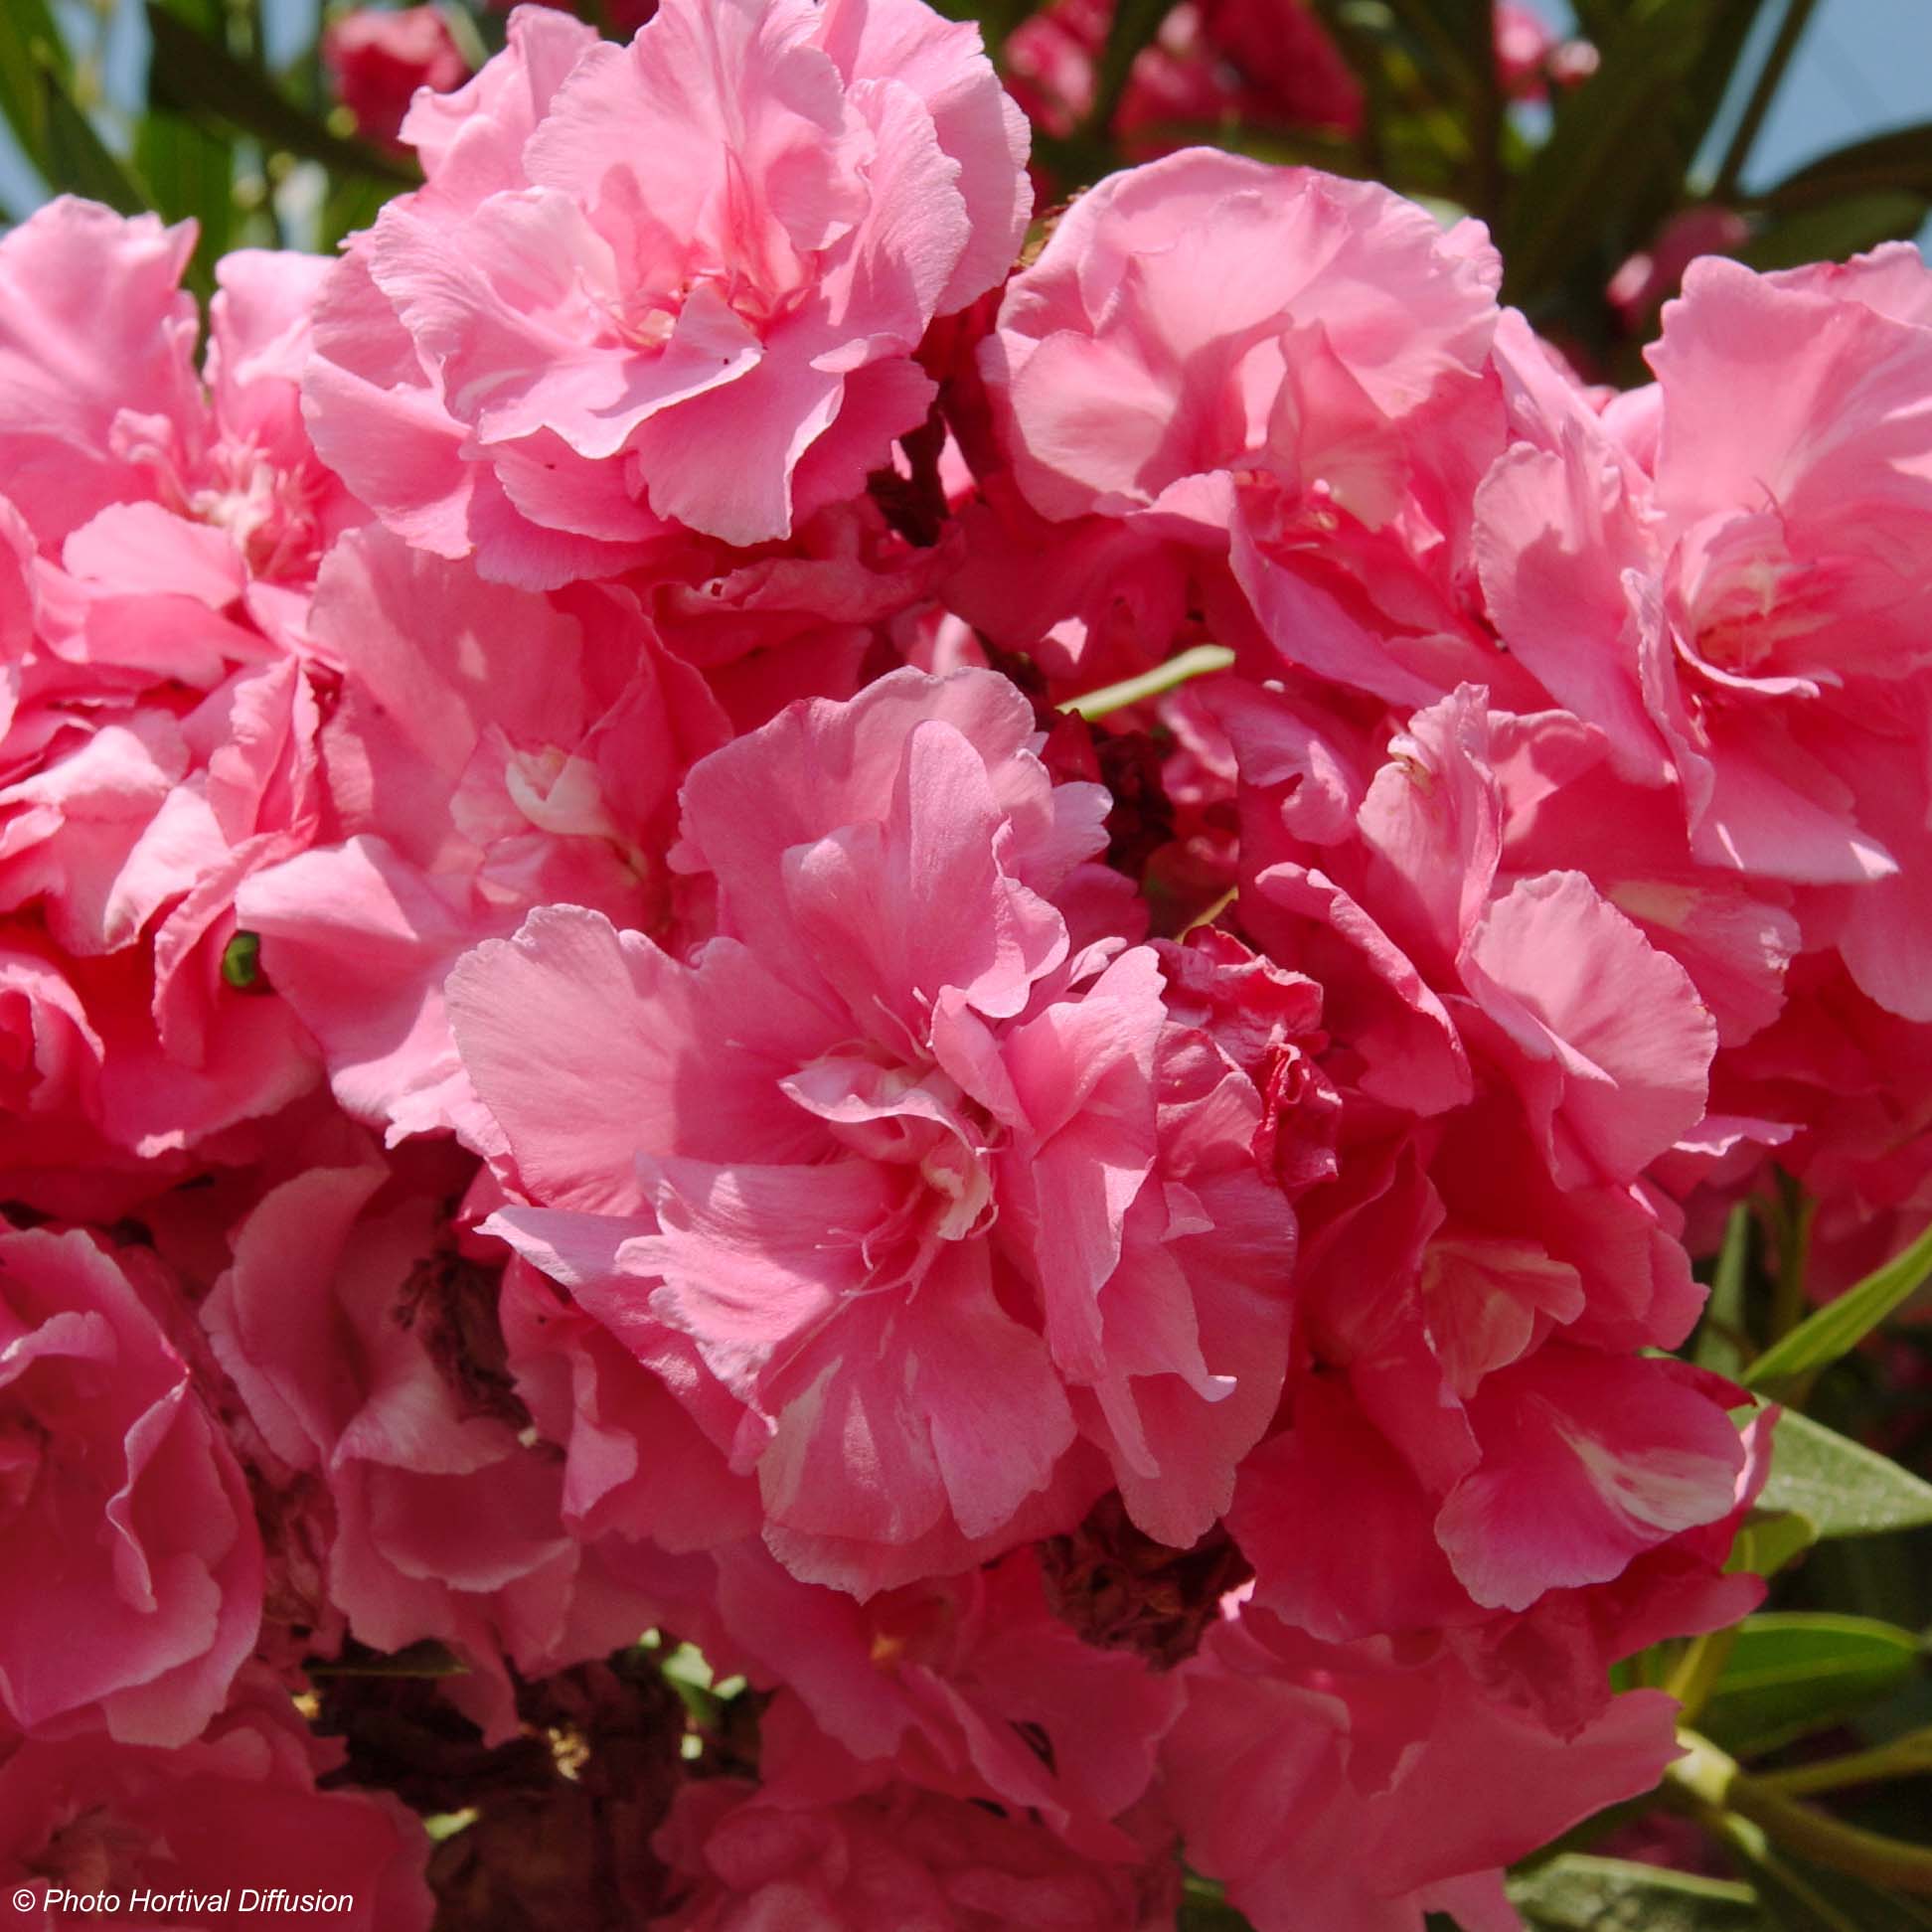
<point>131,467</point>
<point>547,359</point>
<point>157,754</point>
<point>1732,592</point>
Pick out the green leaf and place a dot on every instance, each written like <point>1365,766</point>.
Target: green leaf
<point>30,46</point>
<point>1843,1488</point>
<point>1791,1673</point>
<point>353,202</point>
<point>1582,197</point>
<point>1901,159</point>
<point>1839,1326</point>
<point>1721,1339</point>
<point>1133,27</point>
<point>1204,1909</point>
<point>1805,1897</point>
<point>1835,229</point>
<point>196,75</point>
<point>1769,1540</point>
<point>78,161</point>
<point>190,173</point>
<point>1578,1893</point>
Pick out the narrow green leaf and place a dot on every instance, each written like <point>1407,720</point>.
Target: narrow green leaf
<point>29,44</point>
<point>1132,28</point>
<point>1795,1900</point>
<point>1808,1897</point>
<point>1197,661</point>
<point>1604,150</point>
<point>1901,159</point>
<point>78,160</point>
<point>353,202</point>
<point>1579,1893</point>
<point>1722,1340</point>
<point>1843,1488</point>
<point>190,173</point>
<point>1794,1672</point>
<point>196,75</point>
<point>1839,1326</point>
<point>1835,229</point>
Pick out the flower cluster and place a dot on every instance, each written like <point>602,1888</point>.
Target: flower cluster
<point>1014,992</point>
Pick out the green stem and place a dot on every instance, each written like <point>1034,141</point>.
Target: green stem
<point>1909,1756</point>
<point>1794,1224</point>
<point>1720,1792</point>
<point>1699,1669</point>
<point>1190,662</point>
<point>1791,30</point>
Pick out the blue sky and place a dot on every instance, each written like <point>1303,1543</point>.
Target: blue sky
<point>1864,66</point>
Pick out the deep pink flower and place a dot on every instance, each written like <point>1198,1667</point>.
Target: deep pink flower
<point>1212,61</point>
<point>126,1526</point>
<point>894,1858</point>
<point>1278,381</point>
<point>493,751</point>
<point>236,1808</point>
<point>378,60</point>
<point>1290,1750</point>
<point>957,1197</point>
<point>358,1338</point>
<point>967,1685</point>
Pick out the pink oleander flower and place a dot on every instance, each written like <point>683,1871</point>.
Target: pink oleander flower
<point>894,1858</point>
<point>670,287</point>
<point>811,617</point>
<point>126,1531</point>
<point>909,1158</point>
<point>492,751</point>
<point>1734,594</point>
<point>1513,1052</point>
<point>1274,386</point>
<point>235,1808</point>
<point>362,1343</point>
<point>378,59</point>
<point>1364,1785</point>
<point>1212,61</point>
<point>132,469</point>
<point>1652,276</point>
<point>158,751</point>
<point>1839,1092</point>
<point>967,1685</point>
